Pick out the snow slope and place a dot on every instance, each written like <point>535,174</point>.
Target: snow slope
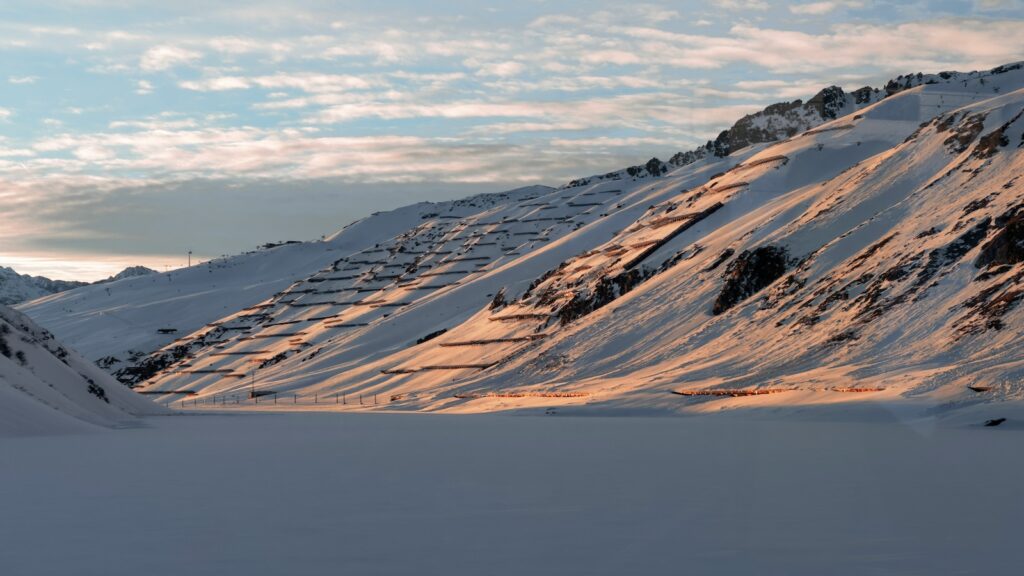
<point>468,495</point>
<point>117,323</point>
<point>873,256</point>
<point>45,388</point>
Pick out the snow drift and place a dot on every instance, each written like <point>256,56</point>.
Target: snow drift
<point>46,388</point>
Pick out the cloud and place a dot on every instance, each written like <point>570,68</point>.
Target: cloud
<point>821,8</point>
<point>5,114</point>
<point>998,5</point>
<point>741,5</point>
<point>144,87</point>
<point>22,79</point>
<point>915,45</point>
<point>501,69</point>
<point>159,58</point>
<point>306,82</point>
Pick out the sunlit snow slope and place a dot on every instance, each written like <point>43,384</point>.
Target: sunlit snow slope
<point>876,254</point>
<point>119,323</point>
<point>46,388</point>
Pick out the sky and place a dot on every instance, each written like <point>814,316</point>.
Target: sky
<point>134,131</point>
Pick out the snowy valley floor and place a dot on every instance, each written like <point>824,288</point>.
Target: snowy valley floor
<point>349,493</point>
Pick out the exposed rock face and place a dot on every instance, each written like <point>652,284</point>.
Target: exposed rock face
<point>829,102</point>
<point>607,290</point>
<point>749,273</point>
<point>1006,247</point>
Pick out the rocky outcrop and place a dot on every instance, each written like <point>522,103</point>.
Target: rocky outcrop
<point>749,273</point>
<point>1006,247</point>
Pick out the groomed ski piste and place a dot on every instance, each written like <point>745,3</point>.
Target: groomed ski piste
<point>868,258</point>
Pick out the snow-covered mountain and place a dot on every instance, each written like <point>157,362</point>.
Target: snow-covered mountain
<point>46,388</point>
<point>856,244</point>
<point>130,272</point>
<point>120,322</point>
<point>15,288</point>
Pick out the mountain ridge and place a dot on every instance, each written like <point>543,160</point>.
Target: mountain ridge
<point>504,299</point>
<point>16,288</point>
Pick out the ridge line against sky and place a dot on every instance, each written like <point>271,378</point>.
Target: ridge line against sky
<point>130,132</point>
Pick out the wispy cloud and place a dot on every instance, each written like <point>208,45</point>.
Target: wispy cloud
<point>159,58</point>
<point>235,96</point>
<point>822,8</point>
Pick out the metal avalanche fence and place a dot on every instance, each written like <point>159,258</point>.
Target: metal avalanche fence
<point>278,398</point>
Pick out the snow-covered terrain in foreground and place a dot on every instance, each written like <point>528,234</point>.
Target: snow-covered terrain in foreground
<point>47,389</point>
<point>869,492</point>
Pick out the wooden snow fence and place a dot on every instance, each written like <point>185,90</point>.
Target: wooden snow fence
<point>484,342</point>
<point>278,335</point>
<point>368,302</point>
<point>399,371</point>
<point>645,244</point>
<point>431,286</point>
<point>445,273</point>
<point>732,186</point>
<point>666,220</point>
<point>477,395</point>
<point>759,162</point>
<point>467,259</point>
<point>695,217</point>
<point>517,317</point>
<point>438,367</point>
<point>346,325</point>
<point>733,392</point>
<point>320,318</point>
<point>855,390</point>
<point>226,371</point>
<point>282,323</point>
<point>829,129</point>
